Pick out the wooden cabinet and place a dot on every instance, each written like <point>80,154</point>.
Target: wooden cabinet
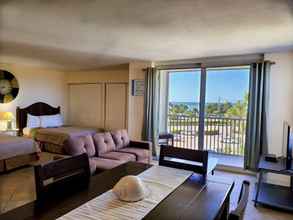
<point>101,105</point>
<point>86,105</point>
<point>116,106</point>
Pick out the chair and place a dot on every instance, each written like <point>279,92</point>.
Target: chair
<point>187,159</point>
<point>52,178</point>
<point>165,139</point>
<point>238,213</point>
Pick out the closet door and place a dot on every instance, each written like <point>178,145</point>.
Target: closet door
<point>86,105</point>
<point>116,106</point>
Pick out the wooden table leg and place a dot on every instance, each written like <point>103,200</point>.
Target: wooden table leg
<point>258,187</point>
<point>227,208</point>
<point>224,212</point>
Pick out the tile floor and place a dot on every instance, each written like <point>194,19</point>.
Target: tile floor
<point>17,188</point>
<point>228,160</point>
<point>252,212</point>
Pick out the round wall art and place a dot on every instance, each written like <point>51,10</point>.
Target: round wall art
<point>8,87</point>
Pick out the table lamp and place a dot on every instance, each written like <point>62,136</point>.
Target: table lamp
<point>9,117</point>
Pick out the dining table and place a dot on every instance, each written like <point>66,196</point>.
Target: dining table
<point>197,198</point>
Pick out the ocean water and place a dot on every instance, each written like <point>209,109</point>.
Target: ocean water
<point>191,105</point>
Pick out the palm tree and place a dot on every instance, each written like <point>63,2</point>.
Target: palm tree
<point>239,109</point>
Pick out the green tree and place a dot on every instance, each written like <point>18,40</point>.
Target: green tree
<point>239,109</point>
<point>192,112</point>
<point>218,108</point>
<point>212,108</point>
<point>178,109</point>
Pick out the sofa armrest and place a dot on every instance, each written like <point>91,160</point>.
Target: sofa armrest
<point>147,145</point>
<point>141,144</point>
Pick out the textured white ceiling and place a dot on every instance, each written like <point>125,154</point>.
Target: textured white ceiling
<point>78,34</point>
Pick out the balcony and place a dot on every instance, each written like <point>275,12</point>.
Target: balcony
<point>222,135</point>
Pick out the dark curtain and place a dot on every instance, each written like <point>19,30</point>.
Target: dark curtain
<point>256,130</point>
<point>150,121</point>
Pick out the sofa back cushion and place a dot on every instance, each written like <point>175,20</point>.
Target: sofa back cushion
<point>89,145</point>
<point>104,143</point>
<point>121,138</point>
<point>79,145</point>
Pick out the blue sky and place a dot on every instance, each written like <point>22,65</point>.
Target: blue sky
<point>229,84</point>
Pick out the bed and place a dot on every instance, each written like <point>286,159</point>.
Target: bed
<point>16,152</point>
<point>53,139</point>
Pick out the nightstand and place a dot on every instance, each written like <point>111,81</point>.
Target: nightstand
<point>12,132</point>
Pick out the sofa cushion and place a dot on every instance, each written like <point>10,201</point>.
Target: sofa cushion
<point>146,160</point>
<point>121,138</point>
<point>142,155</point>
<point>79,145</point>
<point>100,164</point>
<point>115,155</point>
<point>104,143</point>
<point>89,145</point>
<point>92,165</point>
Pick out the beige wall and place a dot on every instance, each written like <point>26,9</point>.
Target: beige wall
<point>51,86</point>
<point>280,98</point>
<point>37,85</point>
<point>121,73</point>
<point>136,103</point>
<point>110,74</point>
<point>280,106</point>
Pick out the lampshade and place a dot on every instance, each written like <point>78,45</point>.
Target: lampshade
<point>6,116</point>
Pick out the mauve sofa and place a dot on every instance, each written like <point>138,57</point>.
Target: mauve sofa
<point>110,149</point>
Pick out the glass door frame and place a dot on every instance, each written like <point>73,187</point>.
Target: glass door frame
<point>202,95</point>
<point>202,99</point>
<point>202,102</point>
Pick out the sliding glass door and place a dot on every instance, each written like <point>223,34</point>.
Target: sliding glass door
<point>207,108</point>
<point>226,105</point>
<point>184,107</point>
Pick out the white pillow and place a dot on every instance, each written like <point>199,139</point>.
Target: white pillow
<point>33,121</point>
<point>26,131</point>
<point>51,121</point>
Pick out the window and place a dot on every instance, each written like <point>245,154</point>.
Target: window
<point>207,108</point>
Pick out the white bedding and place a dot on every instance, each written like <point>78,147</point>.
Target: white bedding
<point>11,146</point>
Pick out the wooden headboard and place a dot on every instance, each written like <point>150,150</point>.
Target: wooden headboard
<point>37,109</point>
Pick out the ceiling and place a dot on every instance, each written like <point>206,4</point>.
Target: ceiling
<point>85,34</point>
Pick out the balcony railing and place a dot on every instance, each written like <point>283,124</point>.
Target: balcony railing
<point>225,135</point>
